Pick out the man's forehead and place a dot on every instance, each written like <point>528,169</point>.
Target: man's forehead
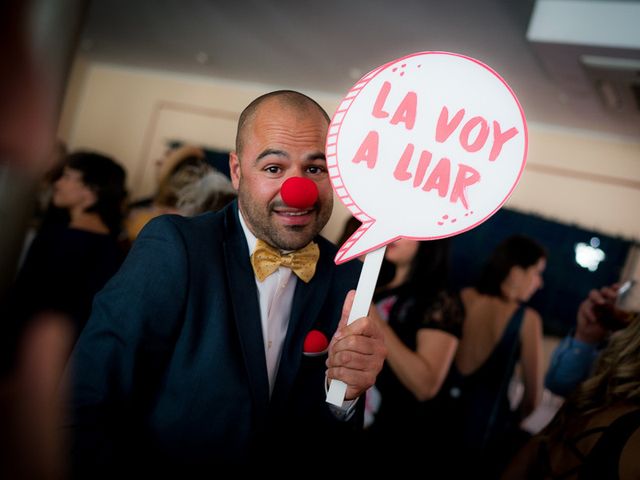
<point>298,107</point>
<point>294,126</point>
<point>277,124</point>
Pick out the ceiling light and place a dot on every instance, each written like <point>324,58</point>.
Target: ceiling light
<point>202,58</point>
<point>588,255</point>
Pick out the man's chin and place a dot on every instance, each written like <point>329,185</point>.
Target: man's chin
<point>295,238</point>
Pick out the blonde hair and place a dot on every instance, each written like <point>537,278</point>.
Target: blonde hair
<point>182,166</point>
<point>188,174</point>
<point>175,157</point>
<point>211,192</point>
<point>617,372</point>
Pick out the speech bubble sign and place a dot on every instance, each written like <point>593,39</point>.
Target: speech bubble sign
<point>424,147</point>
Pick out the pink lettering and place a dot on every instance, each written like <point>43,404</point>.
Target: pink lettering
<point>444,127</point>
<point>380,100</point>
<point>423,164</point>
<point>368,150</point>
<point>406,111</point>
<point>439,178</point>
<point>466,176</point>
<point>481,138</point>
<point>499,139</point>
<point>402,169</point>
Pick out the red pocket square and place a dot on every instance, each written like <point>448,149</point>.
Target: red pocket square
<point>316,343</point>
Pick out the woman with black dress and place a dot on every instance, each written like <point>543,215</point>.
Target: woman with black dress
<point>67,264</point>
<point>422,325</point>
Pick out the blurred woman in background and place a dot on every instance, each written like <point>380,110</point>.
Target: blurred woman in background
<point>67,264</point>
<point>180,167</point>
<point>596,433</point>
<point>499,332</point>
<point>421,319</point>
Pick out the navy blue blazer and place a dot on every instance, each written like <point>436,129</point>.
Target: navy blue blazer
<point>170,369</point>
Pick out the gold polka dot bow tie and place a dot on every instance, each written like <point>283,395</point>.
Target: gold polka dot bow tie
<point>266,260</point>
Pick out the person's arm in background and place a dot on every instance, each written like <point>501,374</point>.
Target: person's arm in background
<point>572,361</point>
<point>531,360</point>
<point>422,371</point>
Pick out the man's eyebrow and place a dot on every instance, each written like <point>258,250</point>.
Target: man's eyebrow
<point>317,156</point>
<point>282,153</point>
<point>271,151</point>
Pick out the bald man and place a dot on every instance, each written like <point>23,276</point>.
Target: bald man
<point>190,360</point>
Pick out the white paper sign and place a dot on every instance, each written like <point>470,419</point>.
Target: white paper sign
<point>425,147</point>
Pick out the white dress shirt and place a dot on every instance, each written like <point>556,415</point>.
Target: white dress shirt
<point>275,296</point>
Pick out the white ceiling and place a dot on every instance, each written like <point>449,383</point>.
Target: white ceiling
<point>325,46</point>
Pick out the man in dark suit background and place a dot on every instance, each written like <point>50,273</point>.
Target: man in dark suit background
<point>190,361</point>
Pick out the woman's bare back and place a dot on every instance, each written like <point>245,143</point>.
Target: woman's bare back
<point>486,318</point>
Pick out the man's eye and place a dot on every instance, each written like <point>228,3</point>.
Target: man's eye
<point>272,169</point>
<point>315,170</point>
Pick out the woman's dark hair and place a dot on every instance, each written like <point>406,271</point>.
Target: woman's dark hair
<point>429,273</point>
<point>425,292</point>
<point>516,250</point>
<point>430,268</point>
<point>106,178</point>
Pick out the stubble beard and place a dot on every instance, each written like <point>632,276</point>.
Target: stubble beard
<point>262,222</point>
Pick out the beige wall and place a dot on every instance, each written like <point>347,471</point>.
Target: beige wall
<point>573,177</point>
<point>581,178</point>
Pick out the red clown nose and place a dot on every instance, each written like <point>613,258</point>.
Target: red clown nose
<point>299,192</point>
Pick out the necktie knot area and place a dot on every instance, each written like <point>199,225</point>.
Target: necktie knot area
<point>286,260</point>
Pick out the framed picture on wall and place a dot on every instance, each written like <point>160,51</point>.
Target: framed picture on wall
<point>173,123</point>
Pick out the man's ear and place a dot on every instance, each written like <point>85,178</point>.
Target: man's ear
<point>234,169</point>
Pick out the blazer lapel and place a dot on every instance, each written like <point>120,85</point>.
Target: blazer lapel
<point>246,309</point>
<point>308,300</point>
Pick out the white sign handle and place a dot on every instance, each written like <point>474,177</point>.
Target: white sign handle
<point>360,308</point>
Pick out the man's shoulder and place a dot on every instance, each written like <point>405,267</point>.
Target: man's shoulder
<point>211,223</point>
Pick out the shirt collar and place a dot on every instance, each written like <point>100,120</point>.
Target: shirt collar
<point>251,238</point>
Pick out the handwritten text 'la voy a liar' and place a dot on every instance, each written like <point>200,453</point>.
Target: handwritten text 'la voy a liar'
<point>473,136</point>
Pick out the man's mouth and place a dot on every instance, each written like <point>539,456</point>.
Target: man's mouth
<point>296,213</point>
<point>294,216</point>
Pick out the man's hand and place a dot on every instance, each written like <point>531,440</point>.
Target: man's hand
<point>356,352</point>
<point>588,328</point>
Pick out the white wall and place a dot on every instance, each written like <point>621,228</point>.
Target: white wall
<point>573,177</point>
<point>576,177</point>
